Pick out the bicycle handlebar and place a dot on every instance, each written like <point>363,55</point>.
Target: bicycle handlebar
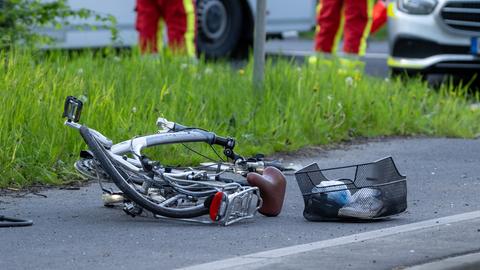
<point>180,134</point>
<point>164,124</point>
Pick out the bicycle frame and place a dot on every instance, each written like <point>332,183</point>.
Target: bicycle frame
<point>240,202</point>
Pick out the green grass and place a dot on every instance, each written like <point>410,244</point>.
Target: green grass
<point>124,95</point>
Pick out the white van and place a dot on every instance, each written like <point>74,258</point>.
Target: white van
<point>224,26</point>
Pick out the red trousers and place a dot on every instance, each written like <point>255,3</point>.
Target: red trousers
<point>328,21</point>
<point>177,15</point>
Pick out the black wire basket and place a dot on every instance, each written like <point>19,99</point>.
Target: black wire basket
<point>365,191</point>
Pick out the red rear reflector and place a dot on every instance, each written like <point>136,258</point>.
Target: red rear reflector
<point>215,206</point>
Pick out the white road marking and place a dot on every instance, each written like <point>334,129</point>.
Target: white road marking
<point>266,256</point>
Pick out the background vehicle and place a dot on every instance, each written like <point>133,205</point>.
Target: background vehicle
<point>434,36</point>
<point>224,26</point>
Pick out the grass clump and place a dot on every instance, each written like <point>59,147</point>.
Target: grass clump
<point>124,95</point>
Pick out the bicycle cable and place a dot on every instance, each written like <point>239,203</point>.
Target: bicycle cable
<point>215,151</point>
<point>14,222</point>
<point>8,222</point>
<point>198,153</point>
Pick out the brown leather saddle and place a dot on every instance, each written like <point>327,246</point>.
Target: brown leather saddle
<point>272,186</point>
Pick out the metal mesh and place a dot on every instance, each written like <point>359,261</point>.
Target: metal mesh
<point>365,191</point>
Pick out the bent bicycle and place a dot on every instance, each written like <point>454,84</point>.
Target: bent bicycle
<point>214,192</point>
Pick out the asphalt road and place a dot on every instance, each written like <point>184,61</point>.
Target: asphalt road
<point>73,230</point>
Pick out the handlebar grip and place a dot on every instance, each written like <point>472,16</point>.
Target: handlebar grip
<point>225,142</point>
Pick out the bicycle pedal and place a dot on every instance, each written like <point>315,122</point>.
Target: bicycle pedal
<point>131,209</point>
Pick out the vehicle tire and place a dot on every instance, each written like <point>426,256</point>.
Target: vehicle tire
<point>129,191</point>
<point>219,27</point>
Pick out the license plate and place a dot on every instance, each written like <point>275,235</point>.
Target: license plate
<point>476,46</point>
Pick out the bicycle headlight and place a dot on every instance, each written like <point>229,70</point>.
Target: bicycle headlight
<point>417,7</point>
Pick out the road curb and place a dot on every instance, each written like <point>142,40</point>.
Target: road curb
<point>464,262</point>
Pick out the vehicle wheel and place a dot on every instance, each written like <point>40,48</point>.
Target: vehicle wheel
<point>219,27</point>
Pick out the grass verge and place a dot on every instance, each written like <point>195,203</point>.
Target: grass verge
<point>300,105</point>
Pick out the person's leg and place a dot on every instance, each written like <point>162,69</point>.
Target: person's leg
<point>328,22</point>
<point>357,26</point>
<point>147,24</point>
<point>180,18</point>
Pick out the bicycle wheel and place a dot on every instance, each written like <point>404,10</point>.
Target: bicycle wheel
<point>129,189</point>
<point>90,168</point>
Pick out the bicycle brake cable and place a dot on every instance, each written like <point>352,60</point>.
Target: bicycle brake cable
<point>218,155</point>
<point>198,153</point>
